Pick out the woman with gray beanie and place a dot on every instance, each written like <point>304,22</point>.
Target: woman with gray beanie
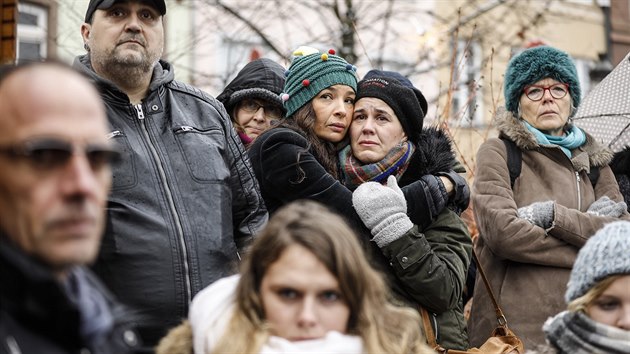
<point>598,298</point>
<point>531,227</point>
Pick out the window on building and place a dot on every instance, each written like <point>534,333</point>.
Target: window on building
<point>467,96</point>
<point>32,32</point>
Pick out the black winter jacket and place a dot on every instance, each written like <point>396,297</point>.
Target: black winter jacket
<point>620,166</point>
<point>184,199</point>
<point>36,315</point>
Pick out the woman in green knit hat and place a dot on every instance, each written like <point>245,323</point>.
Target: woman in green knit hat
<point>532,227</point>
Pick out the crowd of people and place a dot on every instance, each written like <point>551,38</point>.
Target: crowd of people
<point>304,209</point>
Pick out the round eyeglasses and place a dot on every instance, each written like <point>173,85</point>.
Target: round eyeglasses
<point>536,92</point>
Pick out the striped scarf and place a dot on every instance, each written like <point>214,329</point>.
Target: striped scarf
<point>395,162</point>
<point>576,333</point>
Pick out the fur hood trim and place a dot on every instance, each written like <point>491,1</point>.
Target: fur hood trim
<point>434,154</point>
<point>509,126</point>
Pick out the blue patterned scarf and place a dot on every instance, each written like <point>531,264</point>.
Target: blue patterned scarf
<point>354,172</point>
<point>571,139</point>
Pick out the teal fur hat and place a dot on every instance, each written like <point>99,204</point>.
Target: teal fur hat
<point>604,254</point>
<point>535,64</point>
<point>311,72</point>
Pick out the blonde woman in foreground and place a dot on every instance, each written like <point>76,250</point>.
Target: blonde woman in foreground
<point>305,287</point>
<point>597,320</point>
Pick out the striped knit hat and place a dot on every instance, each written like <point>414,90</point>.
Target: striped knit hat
<point>311,72</point>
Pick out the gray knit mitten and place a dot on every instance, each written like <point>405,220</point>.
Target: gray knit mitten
<point>539,213</point>
<point>383,209</point>
<point>605,206</point>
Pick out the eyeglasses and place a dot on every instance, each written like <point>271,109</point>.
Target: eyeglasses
<point>51,153</point>
<point>252,106</point>
<point>536,92</point>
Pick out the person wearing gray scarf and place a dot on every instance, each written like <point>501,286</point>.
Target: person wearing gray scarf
<point>598,316</point>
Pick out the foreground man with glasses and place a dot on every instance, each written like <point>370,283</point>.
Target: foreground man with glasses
<point>54,178</point>
<point>184,199</point>
<point>530,232</point>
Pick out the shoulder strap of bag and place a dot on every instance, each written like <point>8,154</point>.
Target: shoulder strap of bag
<point>426,320</point>
<point>497,309</point>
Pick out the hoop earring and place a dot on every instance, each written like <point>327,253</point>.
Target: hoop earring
<point>86,46</point>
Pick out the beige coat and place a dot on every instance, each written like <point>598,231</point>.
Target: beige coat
<point>528,266</point>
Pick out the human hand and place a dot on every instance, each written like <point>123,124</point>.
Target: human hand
<point>538,213</point>
<point>383,209</point>
<point>605,206</point>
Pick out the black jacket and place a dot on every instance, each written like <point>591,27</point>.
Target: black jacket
<point>36,315</point>
<point>620,166</point>
<point>184,199</point>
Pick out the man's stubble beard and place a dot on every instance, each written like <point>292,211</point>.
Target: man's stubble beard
<point>125,70</point>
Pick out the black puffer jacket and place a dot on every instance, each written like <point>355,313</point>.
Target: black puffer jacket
<point>184,199</point>
<point>36,315</point>
<point>620,166</point>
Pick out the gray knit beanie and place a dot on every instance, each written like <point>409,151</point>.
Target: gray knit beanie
<point>535,64</point>
<point>606,253</point>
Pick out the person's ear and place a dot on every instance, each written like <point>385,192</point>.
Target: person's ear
<point>86,29</point>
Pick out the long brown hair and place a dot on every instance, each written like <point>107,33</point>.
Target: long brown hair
<point>303,121</point>
<point>383,326</point>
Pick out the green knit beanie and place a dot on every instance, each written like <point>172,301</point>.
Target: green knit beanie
<point>313,72</point>
<point>535,64</point>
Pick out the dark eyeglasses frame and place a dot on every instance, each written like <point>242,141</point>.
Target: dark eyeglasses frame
<point>53,153</point>
<point>546,88</point>
<point>268,108</point>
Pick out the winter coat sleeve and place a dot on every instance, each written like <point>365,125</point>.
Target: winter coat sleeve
<point>249,213</point>
<point>432,265</point>
<point>545,178</point>
<point>507,235</point>
<point>575,227</point>
<point>288,171</point>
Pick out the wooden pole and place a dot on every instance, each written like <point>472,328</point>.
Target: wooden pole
<point>8,31</point>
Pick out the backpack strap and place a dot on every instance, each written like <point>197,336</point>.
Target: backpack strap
<point>514,159</point>
<point>593,175</point>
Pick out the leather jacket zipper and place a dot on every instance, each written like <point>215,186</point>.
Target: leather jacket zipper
<point>169,198</point>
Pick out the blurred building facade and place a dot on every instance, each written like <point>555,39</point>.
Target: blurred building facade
<point>455,51</point>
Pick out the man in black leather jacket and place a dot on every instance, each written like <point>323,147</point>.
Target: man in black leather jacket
<point>184,200</point>
<point>53,191</point>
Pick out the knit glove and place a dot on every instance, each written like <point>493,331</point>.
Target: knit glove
<point>539,213</point>
<point>605,206</point>
<point>383,209</point>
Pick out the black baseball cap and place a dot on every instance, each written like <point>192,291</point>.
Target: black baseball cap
<point>106,4</point>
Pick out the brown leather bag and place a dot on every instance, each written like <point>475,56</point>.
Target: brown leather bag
<point>501,341</point>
